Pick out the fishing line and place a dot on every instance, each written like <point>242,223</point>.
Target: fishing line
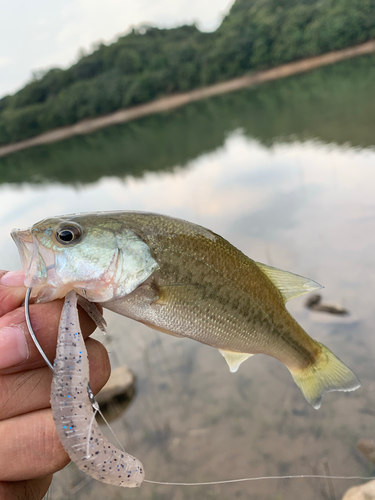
<point>165,483</point>
<point>88,454</point>
<point>33,336</point>
<point>262,478</point>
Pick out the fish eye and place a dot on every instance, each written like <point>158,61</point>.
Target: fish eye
<point>67,234</point>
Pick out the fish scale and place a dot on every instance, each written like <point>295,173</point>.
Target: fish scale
<point>211,270</point>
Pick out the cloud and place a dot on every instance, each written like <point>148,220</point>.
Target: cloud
<point>95,20</point>
<point>50,34</point>
<point>5,61</point>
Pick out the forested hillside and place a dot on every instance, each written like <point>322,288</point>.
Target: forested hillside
<point>150,62</point>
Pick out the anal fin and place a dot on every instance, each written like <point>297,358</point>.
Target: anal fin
<point>234,359</point>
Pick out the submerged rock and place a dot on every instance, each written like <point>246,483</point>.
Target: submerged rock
<point>367,447</point>
<point>120,385</point>
<point>315,304</point>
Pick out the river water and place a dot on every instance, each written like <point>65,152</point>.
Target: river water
<point>285,172</point>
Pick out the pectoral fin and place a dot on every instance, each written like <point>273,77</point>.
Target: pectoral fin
<point>234,359</point>
<point>163,296</point>
<point>169,293</point>
<point>289,285</point>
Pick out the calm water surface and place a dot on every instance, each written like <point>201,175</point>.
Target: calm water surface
<point>286,173</point>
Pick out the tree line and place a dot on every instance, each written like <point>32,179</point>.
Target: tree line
<point>150,62</point>
<point>298,108</point>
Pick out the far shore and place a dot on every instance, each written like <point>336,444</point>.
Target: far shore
<point>177,100</point>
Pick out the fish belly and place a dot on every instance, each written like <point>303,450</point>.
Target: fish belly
<point>225,319</point>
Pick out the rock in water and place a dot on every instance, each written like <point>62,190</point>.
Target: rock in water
<point>367,447</point>
<point>120,383</point>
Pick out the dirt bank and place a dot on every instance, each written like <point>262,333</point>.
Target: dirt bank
<point>174,101</point>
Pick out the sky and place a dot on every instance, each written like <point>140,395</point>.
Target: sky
<point>40,34</point>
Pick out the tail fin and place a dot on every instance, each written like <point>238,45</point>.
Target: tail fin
<point>327,374</point>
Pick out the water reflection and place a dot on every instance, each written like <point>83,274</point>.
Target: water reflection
<point>334,104</point>
<point>304,205</point>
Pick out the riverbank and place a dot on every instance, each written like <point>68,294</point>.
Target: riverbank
<point>178,100</point>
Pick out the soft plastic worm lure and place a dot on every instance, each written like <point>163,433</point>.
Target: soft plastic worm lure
<point>74,408</point>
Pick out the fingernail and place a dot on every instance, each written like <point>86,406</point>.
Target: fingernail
<point>13,347</point>
<point>13,278</point>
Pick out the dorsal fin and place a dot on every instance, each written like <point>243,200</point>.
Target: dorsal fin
<point>234,359</point>
<point>289,285</point>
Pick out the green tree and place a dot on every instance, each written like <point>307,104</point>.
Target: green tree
<point>149,62</point>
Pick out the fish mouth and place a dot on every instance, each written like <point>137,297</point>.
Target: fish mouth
<point>25,246</point>
<point>39,266</point>
<point>36,262</point>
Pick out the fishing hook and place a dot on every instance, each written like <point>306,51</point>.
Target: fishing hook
<point>33,336</point>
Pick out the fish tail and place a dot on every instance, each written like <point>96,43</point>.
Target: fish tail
<point>326,374</point>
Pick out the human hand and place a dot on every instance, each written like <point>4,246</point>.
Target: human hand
<point>30,451</point>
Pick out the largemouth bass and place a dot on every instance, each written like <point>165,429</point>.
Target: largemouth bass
<point>184,280</point>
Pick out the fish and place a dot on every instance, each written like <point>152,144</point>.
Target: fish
<point>74,409</point>
<point>184,280</point>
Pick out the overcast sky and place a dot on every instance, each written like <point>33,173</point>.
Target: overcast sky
<point>40,34</point>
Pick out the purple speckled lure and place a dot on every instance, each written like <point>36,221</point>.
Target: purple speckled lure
<point>73,408</point>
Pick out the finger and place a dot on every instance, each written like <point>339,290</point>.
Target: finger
<point>30,391</point>
<point>38,451</point>
<point>34,489</point>
<point>11,297</point>
<point>17,349</point>
<point>13,278</point>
